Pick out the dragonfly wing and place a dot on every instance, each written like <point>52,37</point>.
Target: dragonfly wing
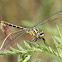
<point>43,21</point>
<point>10,42</point>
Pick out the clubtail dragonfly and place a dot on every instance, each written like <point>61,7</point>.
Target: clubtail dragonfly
<point>32,31</point>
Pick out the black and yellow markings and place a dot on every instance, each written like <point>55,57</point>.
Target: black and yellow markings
<point>8,24</point>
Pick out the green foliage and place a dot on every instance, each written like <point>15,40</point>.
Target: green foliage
<point>58,43</point>
<point>39,60</point>
<point>19,58</point>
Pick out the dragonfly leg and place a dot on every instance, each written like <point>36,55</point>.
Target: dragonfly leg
<point>45,42</point>
<point>34,40</point>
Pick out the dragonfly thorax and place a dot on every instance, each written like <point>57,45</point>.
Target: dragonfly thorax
<point>35,32</point>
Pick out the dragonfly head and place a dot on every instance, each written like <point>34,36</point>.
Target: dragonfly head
<point>40,34</point>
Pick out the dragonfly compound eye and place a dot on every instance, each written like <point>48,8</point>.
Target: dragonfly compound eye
<point>42,34</point>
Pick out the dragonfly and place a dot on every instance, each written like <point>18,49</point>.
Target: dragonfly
<point>34,31</point>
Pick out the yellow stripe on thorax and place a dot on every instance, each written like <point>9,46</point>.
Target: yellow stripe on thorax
<point>36,31</point>
<point>31,32</point>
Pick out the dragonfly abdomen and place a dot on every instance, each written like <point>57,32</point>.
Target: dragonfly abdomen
<point>8,24</point>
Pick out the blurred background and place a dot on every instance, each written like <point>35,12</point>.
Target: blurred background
<point>27,13</point>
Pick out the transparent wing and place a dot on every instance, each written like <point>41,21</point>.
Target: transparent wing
<point>10,42</point>
<point>43,21</point>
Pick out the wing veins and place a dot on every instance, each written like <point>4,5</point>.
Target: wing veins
<point>19,33</point>
<point>41,22</point>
